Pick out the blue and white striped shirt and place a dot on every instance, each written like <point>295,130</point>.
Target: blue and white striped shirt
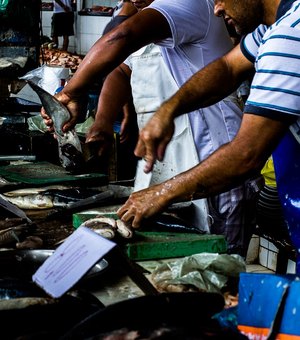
<point>275,51</point>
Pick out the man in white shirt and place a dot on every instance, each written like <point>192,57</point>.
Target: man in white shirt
<point>62,22</point>
<point>190,37</point>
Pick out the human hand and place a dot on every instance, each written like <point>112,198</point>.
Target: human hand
<point>47,120</point>
<point>154,138</point>
<point>100,138</point>
<point>124,130</point>
<point>76,106</point>
<point>144,204</point>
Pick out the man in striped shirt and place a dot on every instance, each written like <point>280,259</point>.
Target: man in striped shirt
<point>269,123</point>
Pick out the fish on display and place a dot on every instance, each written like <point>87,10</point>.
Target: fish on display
<point>69,146</point>
<point>124,229</point>
<point>32,201</point>
<point>108,227</point>
<point>103,226</point>
<point>47,197</point>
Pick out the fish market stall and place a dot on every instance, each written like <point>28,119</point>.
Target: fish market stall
<point>118,282</point>
<point>49,191</point>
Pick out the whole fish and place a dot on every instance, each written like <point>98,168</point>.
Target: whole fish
<point>103,226</point>
<point>35,201</point>
<point>69,147</point>
<point>47,197</point>
<point>124,229</point>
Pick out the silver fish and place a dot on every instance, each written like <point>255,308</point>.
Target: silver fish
<point>47,197</point>
<point>108,220</point>
<point>33,191</point>
<point>100,227</point>
<point>38,201</point>
<point>124,229</point>
<point>69,147</point>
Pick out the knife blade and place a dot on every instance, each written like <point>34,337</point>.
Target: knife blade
<point>14,209</point>
<point>142,180</point>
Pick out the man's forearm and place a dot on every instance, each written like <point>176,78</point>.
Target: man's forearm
<point>211,84</point>
<point>232,163</point>
<point>115,46</point>
<point>203,89</point>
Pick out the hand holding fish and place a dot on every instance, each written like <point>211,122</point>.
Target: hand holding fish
<point>69,145</point>
<point>154,138</point>
<point>76,107</point>
<point>47,120</point>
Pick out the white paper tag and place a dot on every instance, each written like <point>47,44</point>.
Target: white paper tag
<point>71,260</point>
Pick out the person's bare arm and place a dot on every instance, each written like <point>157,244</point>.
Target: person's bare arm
<point>227,167</point>
<point>108,52</point>
<point>211,84</point>
<point>129,122</point>
<point>201,90</point>
<point>115,93</point>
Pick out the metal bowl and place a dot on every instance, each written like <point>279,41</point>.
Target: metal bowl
<point>23,263</point>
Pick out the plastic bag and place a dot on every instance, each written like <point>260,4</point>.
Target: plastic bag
<point>208,272</point>
<point>49,78</point>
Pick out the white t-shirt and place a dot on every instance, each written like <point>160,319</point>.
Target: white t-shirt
<point>198,38</point>
<point>275,89</point>
<point>58,9</point>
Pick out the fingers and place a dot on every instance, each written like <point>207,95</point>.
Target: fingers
<point>91,135</point>
<point>69,125</point>
<point>146,151</point>
<point>77,107</point>
<point>142,205</point>
<point>131,215</point>
<point>47,120</point>
<point>98,142</point>
<point>124,138</point>
<point>44,114</point>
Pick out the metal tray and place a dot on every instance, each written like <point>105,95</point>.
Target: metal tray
<point>23,263</point>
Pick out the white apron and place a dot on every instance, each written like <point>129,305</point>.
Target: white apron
<point>152,83</point>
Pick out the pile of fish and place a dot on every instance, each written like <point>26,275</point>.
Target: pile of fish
<point>108,227</point>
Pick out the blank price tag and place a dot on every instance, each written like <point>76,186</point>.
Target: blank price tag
<point>71,260</point>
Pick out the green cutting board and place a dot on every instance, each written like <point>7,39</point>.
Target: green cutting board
<point>161,245</point>
<point>39,173</point>
<point>153,245</point>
